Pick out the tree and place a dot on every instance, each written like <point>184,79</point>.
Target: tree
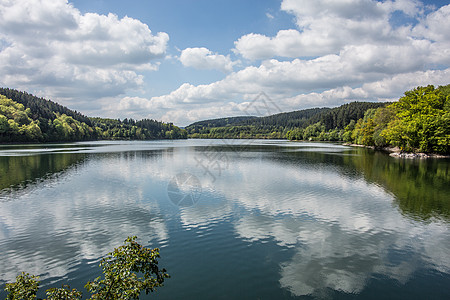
<point>64,293</point>
<point>121,268</point>
<point>25,287</point>
<point>128,270</point>
<point>421,121</point>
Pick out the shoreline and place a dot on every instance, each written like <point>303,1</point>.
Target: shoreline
<point>398,153</point>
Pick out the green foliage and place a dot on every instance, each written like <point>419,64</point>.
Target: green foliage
<point>64,293</point>
<point>364,129</point>
<point>25,287</point>
<point>295,134</point>
<point>15,123</point>
<point>279,125</point>
<point>348,130</point>
<point>128,270</point>
<point>26,118</point>
<point>421,121</point>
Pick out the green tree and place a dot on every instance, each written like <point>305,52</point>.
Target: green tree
<point>128,270</point>
<point>64,293</point>
<point>421,121</point>
<point>25,287</point>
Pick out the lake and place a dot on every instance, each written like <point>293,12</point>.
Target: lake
<point>234,219</point>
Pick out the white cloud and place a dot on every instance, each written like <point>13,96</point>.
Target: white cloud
<point>436,26</point>
<point>338,51</point>
<point>289,84</point>
<point>52,44</point>
<point>204,59</point>
<point>356,55</point>
<point>270,16</point>
<point>325,27</point>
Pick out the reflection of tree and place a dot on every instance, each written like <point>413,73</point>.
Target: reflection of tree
<point>421,187</point>
<point>17,172</point>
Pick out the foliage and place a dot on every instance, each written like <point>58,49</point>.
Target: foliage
<point>419,121</point>
<point>15,122</point>
<point>222,122</point>
<point>26,118</point>
<point>422,121</point>
<point>25,287</point>
<point>64,293</point>
<point>279,125</point>
<point>128,270</point>
<point>121,268</point>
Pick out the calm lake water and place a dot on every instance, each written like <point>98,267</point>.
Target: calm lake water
<point>234,219</point>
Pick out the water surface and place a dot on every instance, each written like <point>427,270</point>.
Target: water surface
<point>234,219</point>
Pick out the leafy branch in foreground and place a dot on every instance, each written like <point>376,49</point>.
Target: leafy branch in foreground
<point>128,270</point>
<point>121,268</point>
<point>25,287</point>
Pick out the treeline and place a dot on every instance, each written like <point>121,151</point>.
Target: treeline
<point>278,126</point>
<point>146,129</point>
<point>26,118</point>
<point>418,122</point>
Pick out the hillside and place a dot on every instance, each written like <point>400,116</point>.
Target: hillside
<point>27,118</point>
<point>277,126</point>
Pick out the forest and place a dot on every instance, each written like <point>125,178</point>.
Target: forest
<point>284,125</point>
<point>26,118</point>
<point>418,122</point>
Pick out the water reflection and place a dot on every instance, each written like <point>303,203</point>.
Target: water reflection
<point>21,172</point>
<point>421,187</point>
<point>299,222</point>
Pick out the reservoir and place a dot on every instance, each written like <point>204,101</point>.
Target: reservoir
<point>234,219</point>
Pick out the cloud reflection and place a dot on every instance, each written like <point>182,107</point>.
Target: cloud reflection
<point>340,229</point>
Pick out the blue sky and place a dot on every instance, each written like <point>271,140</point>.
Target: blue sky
<point>183,61</point>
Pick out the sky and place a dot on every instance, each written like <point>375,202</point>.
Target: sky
<point>182,61</point>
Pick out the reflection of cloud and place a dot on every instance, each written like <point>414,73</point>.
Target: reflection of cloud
<point>344,229</point>
<point>341,229</point>
<point>66,225</point>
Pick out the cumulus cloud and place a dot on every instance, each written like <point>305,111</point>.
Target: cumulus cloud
<point>336,52</point>
<point>204,59</point>
<point>52,44</point>
<point>280,81</point>
<point>341,51</point>
<point>325,27</point>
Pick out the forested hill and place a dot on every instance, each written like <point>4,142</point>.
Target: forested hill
<point>222,122</point>
<point>42,108</point>
<point>27,118</point>
<point>276,126</point>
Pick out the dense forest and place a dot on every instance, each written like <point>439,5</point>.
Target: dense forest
<point>417,122</point>
<point>279,125</point>
<point>27,118</point>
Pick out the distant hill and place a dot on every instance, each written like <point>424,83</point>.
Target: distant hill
<point>27,118</point>
<point>276,126</point>
<point>221,122</point>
